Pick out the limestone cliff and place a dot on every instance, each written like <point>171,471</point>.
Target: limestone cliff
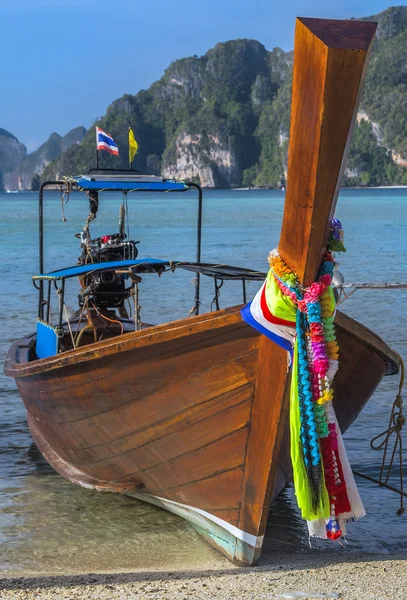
<point>199,121</point>
<point>12,153</point>
<point>223,118</point>
<point>17,168</point>
<point>35,163</point>
<point>209,159</point>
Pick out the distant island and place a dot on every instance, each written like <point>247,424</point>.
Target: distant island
<point>22,171</point>
<point>222,120</point>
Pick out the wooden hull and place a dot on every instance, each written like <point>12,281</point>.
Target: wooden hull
<point>172,415</point>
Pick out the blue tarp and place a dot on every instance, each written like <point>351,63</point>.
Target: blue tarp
<point>104,266</point>
<point>46,341</point>
<point>130,184</point>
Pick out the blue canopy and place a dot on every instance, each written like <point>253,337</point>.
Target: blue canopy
<point>127,182</point>
<point>144,264</point>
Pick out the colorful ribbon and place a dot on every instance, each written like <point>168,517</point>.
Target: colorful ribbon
<point>326,492</point>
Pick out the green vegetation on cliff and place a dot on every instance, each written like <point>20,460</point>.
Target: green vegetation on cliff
<point>385,94</point>
<point>223,118</point>
<point>370,164</point>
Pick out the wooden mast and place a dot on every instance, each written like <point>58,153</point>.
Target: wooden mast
<point>330,60</point>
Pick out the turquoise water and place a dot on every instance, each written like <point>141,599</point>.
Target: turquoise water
<point>48,524</point>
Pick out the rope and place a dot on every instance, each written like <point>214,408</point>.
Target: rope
<point>216,297</point>
<point>82,331</point>
<point>90,321</point>
<point>340,289</point>
<point>396,423</point>
<point>192,312</point>
<point>91,217</point>
<point>64,194</point>
<point>69,326</point>
<point>77,332</point>
<point>107,318</point>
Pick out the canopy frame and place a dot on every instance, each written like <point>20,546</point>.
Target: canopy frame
<point>67,185</point>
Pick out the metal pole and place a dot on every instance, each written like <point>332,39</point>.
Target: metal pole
<point>48,300</point>
<point>41,241</point>
<point>41,248</point>
<point>61,310</point>
<point>198,250</point>
<point>130,161</point>
<point>136,308</point>
<point>198,245</point>
<point>216,294</point>
<point>97,158</point>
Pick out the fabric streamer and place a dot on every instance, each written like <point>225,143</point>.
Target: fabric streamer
<point>301,320</point>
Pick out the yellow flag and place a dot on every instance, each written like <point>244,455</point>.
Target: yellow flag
<point>133,146</point>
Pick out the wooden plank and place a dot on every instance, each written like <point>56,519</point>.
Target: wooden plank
<point>219,491</point>
<point>143,447</point>
<point>219,455</point>
<point>157,335</point>
<point>268,420</point>
<point>90,389</point>
<point>230,515</point>
<point>351,328</point>
<point>108,426</point>
<point>157,450</point>
<point>361,370</point>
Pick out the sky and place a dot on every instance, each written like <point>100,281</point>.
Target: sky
<point>62,62</point>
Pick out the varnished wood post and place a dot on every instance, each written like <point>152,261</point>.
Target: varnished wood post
<point>330,60</point>
<point>329,67</point>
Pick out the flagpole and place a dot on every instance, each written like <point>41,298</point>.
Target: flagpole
<point>130,161</point>
<point>97,152</point>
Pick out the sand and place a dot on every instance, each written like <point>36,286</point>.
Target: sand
<point>346,577</point>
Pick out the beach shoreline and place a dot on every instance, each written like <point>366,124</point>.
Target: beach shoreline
<point>345,187</point>
<point>250,189</point>
<point>346,576</point>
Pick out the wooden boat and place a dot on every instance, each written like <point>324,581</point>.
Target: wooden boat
<point>192,415</point>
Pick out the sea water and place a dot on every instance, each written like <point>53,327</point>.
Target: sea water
<point>50,525</point>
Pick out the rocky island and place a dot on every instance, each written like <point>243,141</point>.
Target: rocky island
<point>222,120</point>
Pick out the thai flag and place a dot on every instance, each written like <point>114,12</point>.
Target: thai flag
<point>258,315</point>
<point>104,141</point>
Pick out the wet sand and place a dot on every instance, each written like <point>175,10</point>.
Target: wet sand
<point>361,577</point>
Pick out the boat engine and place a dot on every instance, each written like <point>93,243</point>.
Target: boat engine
<point>106,289</point>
